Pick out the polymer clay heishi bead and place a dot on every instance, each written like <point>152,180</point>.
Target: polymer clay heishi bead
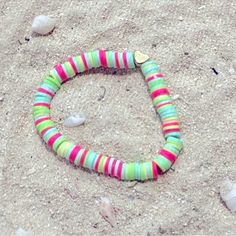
<point>88,60</point>
<point>79,64</point>
<point>63,148</point>
<point>138,171</point>
<point>110,59</point>
<point>61,73</point>
<point>78,157</point>
<point>121,61</point>
<point>130,171</point>
<point>117,63</point>
<point>103,59</point>
<point>84,61</point>
<point>74,153</point>
<point>130,60</point>
<point>95,58</point>
<point>52,81</point>
<point>89,159</point>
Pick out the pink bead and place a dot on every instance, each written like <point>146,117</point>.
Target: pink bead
<point>102,56</point>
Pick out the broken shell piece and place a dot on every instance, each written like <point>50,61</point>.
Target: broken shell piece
<point>140,57</point>
<point>75,120</point>
<point>107,211</point>
<point>43,24</point>
<point>22,232</point>
<point>228,194</point>
<point>175,96</point>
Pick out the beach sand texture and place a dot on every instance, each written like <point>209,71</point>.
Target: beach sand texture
<point>43,194</point>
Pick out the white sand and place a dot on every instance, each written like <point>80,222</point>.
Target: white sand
<point>43,194</point>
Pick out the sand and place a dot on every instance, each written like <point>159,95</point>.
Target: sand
<point>43,194</point>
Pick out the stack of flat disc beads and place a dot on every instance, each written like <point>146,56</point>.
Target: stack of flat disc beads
<point>98,162</point>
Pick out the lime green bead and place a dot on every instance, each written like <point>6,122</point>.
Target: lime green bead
<point>156,87</point>
<point>47,123</point>
<point>41,111</point>
<point>79,64</point>
<point>101,164</point>
<point>63,149</point>
<point>96,60</point>
<point>53,73</point>
<point>160,99</point>
<point>143,175</point>
<point>149,173</point>
<point>170,148</point>
<point>68,69</point>
<point>52,81</point>
<point>175,142</point>
<point>110,59</point>
<point>77,159</point>
<point>90,60</point>
<point>130,171</point>
<point>86,161</point>
<point>163,163</point>
<point>57,143</point>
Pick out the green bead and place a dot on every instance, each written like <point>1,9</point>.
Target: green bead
<point>175,142</point>
<point>160,99</point>
<point>79,64</point>
<point>68,69</point>
<point>130,171</point>
<point>41,111</point>
<point>86,161</point>
<point>43,125</point>
<point>63,149</point>
<point>96,59</point>
<point>149,173</point>
<point>58,142</point>
<point>143,172</point>
<point>53,73</point>
<point>156,86</point>
<point>163,163</point>
<point>171,149</point>
<point>101,164</point>
<point>110,59</point>
<point>52,81</point>
<point>77,159</point>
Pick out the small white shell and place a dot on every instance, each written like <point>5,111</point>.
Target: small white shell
<point>43,24</point>
<point>228,194</point>
<point>107,211</point>
<point>74,120</point>
<point>175,97</point>
<point>22,232</point>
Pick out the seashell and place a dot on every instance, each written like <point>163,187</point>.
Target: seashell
<point>22,232</point>
<point>140,57</point>
<point>228,194</point>
<point>175,97</point>
<point>43,24</point>
<point>107,211</point>
<point>74,120</point>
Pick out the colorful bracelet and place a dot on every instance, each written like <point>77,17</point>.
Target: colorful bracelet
<point>107,165</point>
